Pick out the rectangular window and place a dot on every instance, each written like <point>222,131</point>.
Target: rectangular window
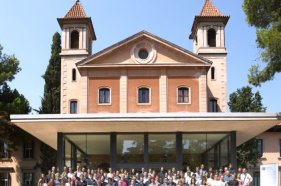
<point>5,179</point>
<point>28,179</point>
<point>143,95</point>
<point>183,95</point>
<point>162,148</point>
<point>260,147</point>
<point>28,149</point>
<point>213,105</point>
<point>73,107</point>
<point>4,150</point>
<point>130,148</point>
<point>104,96</point>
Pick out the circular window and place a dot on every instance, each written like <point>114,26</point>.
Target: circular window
<point>143,54</point>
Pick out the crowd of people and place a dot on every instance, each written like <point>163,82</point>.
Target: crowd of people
<point>226,176</point>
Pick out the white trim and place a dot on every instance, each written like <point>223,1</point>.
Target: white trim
<point>98,101</point>
<point>149,89</point>
<point>177,116</point>
<point>189,95</point>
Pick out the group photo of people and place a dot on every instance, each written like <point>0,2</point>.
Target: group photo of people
<point>200,176</point>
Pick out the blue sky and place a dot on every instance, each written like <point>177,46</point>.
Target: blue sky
<point>27,28</point>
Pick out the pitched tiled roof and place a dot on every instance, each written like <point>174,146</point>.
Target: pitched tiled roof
<point>76,11</point>
<point>209,9</point>
<point>209,13</point>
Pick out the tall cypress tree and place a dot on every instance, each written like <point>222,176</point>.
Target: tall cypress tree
<point>50,103</point>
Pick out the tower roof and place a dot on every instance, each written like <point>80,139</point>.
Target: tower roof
<point>209,13</point>
<point>209,9</point>
<point>76,11</point>
<point>77,15</point>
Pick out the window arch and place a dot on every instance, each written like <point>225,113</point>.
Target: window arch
<point>74,44</point>
<point>73,107</point>
<point>73,74</point>
<point>143,95</point>
<point>212,37</point>
<point>213,73</point>
<point>213,105</point>
<point>183,94</point>
<point>104,95</point>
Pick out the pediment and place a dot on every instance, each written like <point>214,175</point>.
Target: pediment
<point>144,49</point>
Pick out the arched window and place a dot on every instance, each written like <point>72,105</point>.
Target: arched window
<point>213,73</point>
<point>104,96</point>
<point>212,37</point>
<point>183,95</point>
<point>74,39</point>
<point>73,107</point>
<point>213,105</point>
<point>143,95</point>
<point>73,74</point>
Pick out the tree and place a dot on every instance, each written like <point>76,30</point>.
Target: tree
<point>9,67</point>
<point>50,103</point>
<point>11,101</point>
<point>244,100</point>
<point>265,15</point>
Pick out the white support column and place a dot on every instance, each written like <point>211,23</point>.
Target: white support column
<point>163,91</point>
<point>123,92</point>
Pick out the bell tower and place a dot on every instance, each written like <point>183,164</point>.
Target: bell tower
<point>208,35</point>
<point>77,36</point>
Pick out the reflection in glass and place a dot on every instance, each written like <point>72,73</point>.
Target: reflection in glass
<point>130,148</point>
<point>193,148</point>
<point>162,148</point>
<point>224,152</point>
<point>92,150</point>
<point>67,152</point>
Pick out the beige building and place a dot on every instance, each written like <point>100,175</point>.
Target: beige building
<point>144,101</point>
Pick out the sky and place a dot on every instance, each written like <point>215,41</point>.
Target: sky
<point>27,28</point>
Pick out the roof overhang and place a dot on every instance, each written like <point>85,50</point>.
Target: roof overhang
<point>47,127</point>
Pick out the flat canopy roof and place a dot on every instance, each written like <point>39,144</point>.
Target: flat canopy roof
<point>46,127</point>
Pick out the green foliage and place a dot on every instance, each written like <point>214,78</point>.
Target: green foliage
<point>265,15</point>
<point>48,157</point>
<point>9,67</point>
<point>50,103</point>
<point>244,100</point>
<point>12,102</point>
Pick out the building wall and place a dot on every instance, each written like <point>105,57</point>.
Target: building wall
<point>93,101</point>
<point>217,87</point>
<point>192,84</point>
<point>137,82</point>
<point>271,147</point>
<point>271,150</point>
<point>20,165</point>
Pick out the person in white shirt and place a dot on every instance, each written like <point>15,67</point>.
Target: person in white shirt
<point>245,177</point>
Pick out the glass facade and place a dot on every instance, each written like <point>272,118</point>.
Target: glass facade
<point>153,150</point>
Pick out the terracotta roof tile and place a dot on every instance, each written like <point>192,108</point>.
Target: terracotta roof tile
<point>76,11</point>
<point>209,9</point>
